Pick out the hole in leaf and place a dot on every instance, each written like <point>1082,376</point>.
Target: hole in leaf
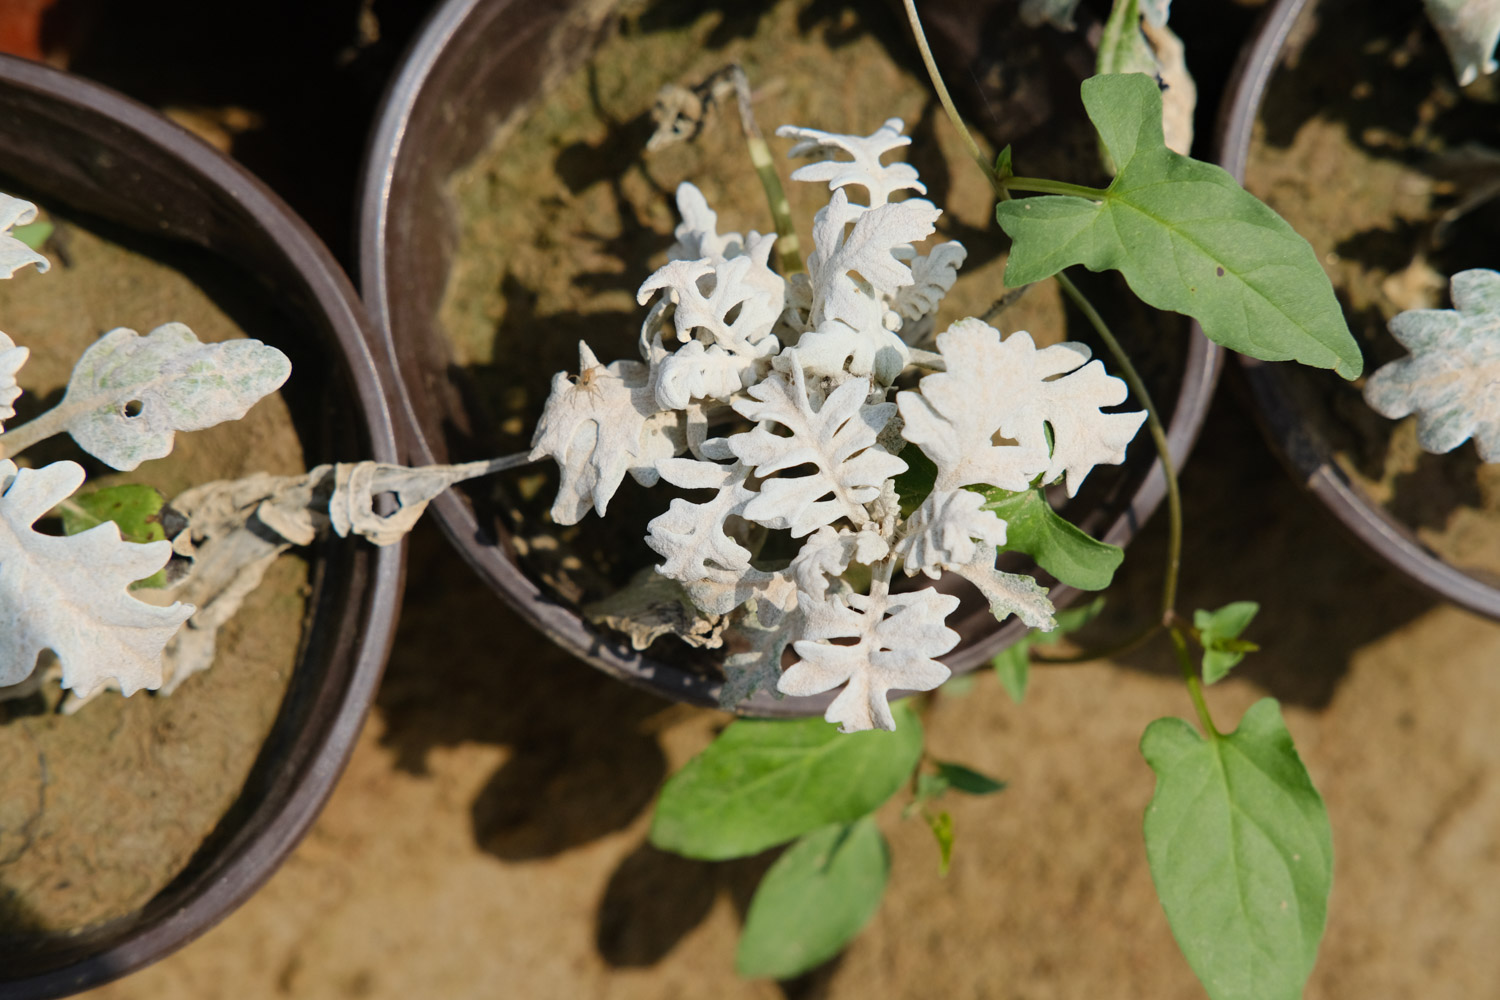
<point>733,313</point>
<point>385,504</point>
<point>132,408</point>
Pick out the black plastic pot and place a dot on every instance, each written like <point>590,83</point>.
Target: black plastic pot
<point>1296,434</point>
<point>475,64</point>
<point>76,146</point>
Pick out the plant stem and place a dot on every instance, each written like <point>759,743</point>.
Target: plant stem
<point>1158,437</point>
<point>1194,685</point>
<point>788,246</point>
<point>53,422</point>
<point>947,100</point>
<point>1043,186</point>
<point>1127,645</point>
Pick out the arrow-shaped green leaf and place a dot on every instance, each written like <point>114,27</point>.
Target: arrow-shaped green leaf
<point>1186,237</point>
<point>1241,853</point>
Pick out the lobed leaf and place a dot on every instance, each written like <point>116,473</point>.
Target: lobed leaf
<point>1186,237</point>
<point>814,900</point>
<point>1449,378</point>
<point>129,395</point>
<point>763,783</point>
<point>1241,853</point>
<point>1058,546</point>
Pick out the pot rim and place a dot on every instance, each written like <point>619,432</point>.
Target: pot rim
<point>442,35</point>
<point>1302,449</point>
<point>321,749</point>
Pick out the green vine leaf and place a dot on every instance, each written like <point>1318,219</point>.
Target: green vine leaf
<point>1058,546</point>
<point>1219,634</point>
<point>814,900</point>
<point>763,783</point>
<point>1241,852</point>
<point>966,779</point>
<point>1186,237</point>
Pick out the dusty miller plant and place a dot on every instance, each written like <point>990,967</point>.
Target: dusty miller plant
<point>872,476</point>
<point>811,363</point>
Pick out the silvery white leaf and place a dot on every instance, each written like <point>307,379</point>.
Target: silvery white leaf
<point>706,291</point>
<point>351,508</point>
<point>1469,30</point>
<point>697,372</point>
<point>828,552</point>
<point>767,631</point>
<point>898,634</point>
<point>836,350</point>
<point>14,254</point>
<point>838,440</point>
<point>950,529</point>
<point>869,249</point>
<point>1008,593</point>
<point>691,536</point>
<point>879,180</point>
<point>933,275</point>
<point>697,234</point>
<point>1009,388</point>
<point>68,594</point>
<point>129,395</point>
<point>11,360</point>
<point>597,428</point>
<point>1449,379</point>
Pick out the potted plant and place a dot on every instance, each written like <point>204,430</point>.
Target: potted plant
<point>1412,131</point>
<point>474,385</point>
<point>107,166</point>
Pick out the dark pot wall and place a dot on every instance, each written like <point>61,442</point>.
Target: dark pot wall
<point>69,143</point>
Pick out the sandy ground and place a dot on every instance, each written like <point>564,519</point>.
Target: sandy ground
<point>489,836</point>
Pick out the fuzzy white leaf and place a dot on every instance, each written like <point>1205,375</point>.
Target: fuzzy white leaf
<point>870,250</point>
<point>951,528</point>
<point>14,254</point>
<point>828,552</point>
<point>1449,380</point>
<point>697,372</point>
<point>651,606</point>
<point>129,395</point>
<point>1008,593</point>
<point>838,440</point>
<point>11,360</point>
<point>898,634</point>
<point>864,168</point>
<point>351,508</point>
<point>766,631</point>
<point>933,275</point>
<point>706,291</point>
<point>1470,30</point>
<point>697,234</point>
<point>68,594</point>
<point>597,428</point>
<point>1011,389</point>
<point>836,351</point>
<point>713,567</point>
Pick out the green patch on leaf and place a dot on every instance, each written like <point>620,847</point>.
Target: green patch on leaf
<point>763,783</point>
<point>914,485</point>
<point>1241,852</point>
<point>1186,237</point>
<point>135,510</point>
<point>34,234</point>
<point>814,900</point>
<point>1058,546</point>
<point>1013,663</point>
<point>1219,634</point>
